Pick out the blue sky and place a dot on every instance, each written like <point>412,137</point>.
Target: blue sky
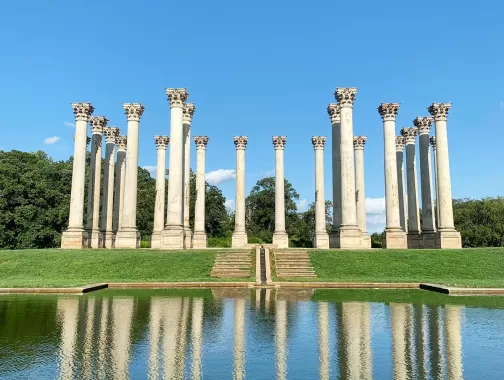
<point>260,68</point>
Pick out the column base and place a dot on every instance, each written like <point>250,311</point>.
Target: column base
<point>429,239</point>
<point>350,238</point>
<point>108,239</point>
<point>74,239</point>
<point>156,240</point>
<point>448,239</point>
<point>199,240</point>
<point>187,237</point>
<point>281,239</point>
<point>172,237</point>
<point>239,240</point>
<point>414,240</point>
<point>95,239</point>
<point>128,237</point>
<point>365,241</point>
<point>321,240</point>
<point>394,239</point>
<point>334,238</point>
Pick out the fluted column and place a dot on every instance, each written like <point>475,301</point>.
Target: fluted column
<point>172,236</point>
<point>199,236</point>
<point>159,207</point>
<point>98,123</point>
<point>360,192</point>
<point>394,236</point>
<point>414,237</point>
<point>403,214</point>
<point>111,135</point>
<point>333,109</point>
<point>433,143</point>
<point>75,237</point>
<point>280,238</point>
<point>448,237</point>
<point>239,239</point>
<point>321,238</point>
<point>120,177</point>
<point>187,114</point>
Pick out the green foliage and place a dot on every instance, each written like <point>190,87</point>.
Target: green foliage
<point>146,200</point>
<point>144,244</point>
<point>219,242</point>
<point>376,240</point>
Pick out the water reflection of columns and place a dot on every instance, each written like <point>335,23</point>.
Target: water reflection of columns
<point>122,314</point>
<point>68,312</point>
<point>323,323</point>
<point>154,334</point>
<point>172,307</point>
<point>102,341</point>
<point>239,339</point>
<point>398,314</point>
<point>182,340</point>
<point>365,345</point>
<point>88,338</point>
<point>196,337</point>
<point>420,342</point>
<point>351,324</point>
<point>281,339</point>
<point>436,342</point>
<point>453,342</point>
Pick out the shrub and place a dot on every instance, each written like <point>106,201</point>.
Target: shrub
<point>219,242</point>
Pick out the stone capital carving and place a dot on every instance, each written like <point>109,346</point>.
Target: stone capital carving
<point>240,142</point>
<point>399,143</point>
<point>133,111</point>
<point>279,142</point>
<point>345,96</point>
<point>318,142</point>
<point>82,111</point>
<point>433,142</point>
<point>388,111</point>
<point>409,134</point>
<point>111,134</point>
<point>97,124</point>
<point>423,124</point>
<point>200,141</point>
<point>177,96</point>
<point>359,142</point>
<point>122,143</point>
<point>439,111</point>
<point>333,110</point>
<point>161,141</point>
<point>188,112</point>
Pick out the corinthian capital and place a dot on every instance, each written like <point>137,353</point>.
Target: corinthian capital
<point>388,111</point>
<point>345,96</point>
<point>333,110</point>
<point>188,112</point>
<point>399,143</point>
<point>409,134</point>
<point>133,111</point>
<point>359,142</point>
<point>433,142</point>
<point>200,141</point>
<point>122,143</point>
<point>423,124</point>
<point>97,124</point>
<point>318,142</point>
<point>279,142</point>
<point>176,96</point>
<point>439,111</point>
<point>111,134</point>
<point>82,111</point>
<point>240,142</point>
<point>161,141</point>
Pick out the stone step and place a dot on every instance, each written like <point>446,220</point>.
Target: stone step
<point>230,275</point>
<point>234,261</point>
<point>296,271</point>
<point>233,257</point>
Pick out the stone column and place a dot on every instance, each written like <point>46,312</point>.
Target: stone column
<point>172,236</point>
<point>239,239</point>
<point>128,235</point>
<point>95,237</point>
<point>433,143</point>
<point>75,237</point>
<point>423,125</point>
<point>111,135</point>
<point>333,109</point>
<point>400,141</point>
<point>349,234</point>
<point>360,193</point>
<point>161,145</point>
<point>321,238</point>
<point>394,236</point>
<point>448,237</point>
<point>187,114</point>
<point>280,238</point>
<point>199,236</point>
<point>120,176</point>
<point>414,236</point>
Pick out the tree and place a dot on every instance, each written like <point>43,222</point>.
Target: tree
<point>146,200</point>
<point>306,225</point>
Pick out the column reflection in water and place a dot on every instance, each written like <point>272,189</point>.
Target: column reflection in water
<point>172,308</point>
<point>88,338</point>
<point>239,339</point>
<point>365,345</point>
<point>122,315</point>
<point>182,340</point>
<point>420,328</point>
<point>398,313</point>
<point>453,342</point>
<point>281,339</point>
<point>154,335</point>
<point>323,324</point>
<point>102,339</point>
<point>410,338</point>
<point>349,349</point>
<point>68,313</point>
<point>196,337</point>
<point>436,342</point>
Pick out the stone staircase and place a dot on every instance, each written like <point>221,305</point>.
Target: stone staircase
<point>293,263</point>
<point>232,264</point>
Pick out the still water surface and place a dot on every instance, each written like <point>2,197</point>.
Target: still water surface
<point>238,334</point>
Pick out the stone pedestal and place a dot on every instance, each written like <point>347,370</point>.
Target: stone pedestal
<point>74,239</point>
<point>394,239</point>
<point>280,238</point>
<point>240,239</point>
<point>450,239</point>
<point>199,237</point>
<point>429,240</point>
<point>349,238</point>
<point>333,109</point>
<point>128,237</point>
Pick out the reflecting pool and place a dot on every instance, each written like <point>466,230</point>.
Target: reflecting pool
<point>255,334</point>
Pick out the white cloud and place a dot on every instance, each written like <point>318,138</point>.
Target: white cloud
<point>68,124</point>
<point>52,140</point>
<point>230,205</point>
<point>375,214</point>
<point>151,169</point>
<point>302,205</point>
<point>219,176</point>
<point>267,173</point>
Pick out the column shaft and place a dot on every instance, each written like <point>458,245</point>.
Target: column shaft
<point>159,206</point>
<point>428,219</point>
<point>108,188</point>
<point>280,238</point>
<point>321,238</point>
<point>199,236</point>
<point>92,169</point>
<point>97,185</point>
<point>120,176</point>
<point>239,238</point>
<point>187,179</point>
<point>333,110</point>
<point>348,207</point>
<point>360,193</point>
<point>391,188</point>
<point>413,211</point>
<point>400,182</point>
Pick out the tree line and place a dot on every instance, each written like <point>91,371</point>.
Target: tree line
<point>35,200</point>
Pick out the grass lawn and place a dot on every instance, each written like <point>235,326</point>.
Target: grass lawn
<point>479,267</point>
